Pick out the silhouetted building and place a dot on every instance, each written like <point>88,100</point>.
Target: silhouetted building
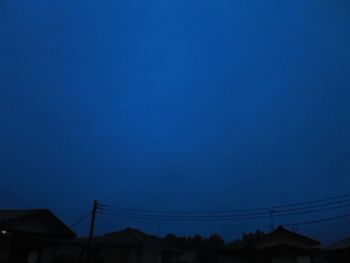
<point>133,246</point>
<point>339,252</point>
<point>279,246</point>
<point>31,235</point>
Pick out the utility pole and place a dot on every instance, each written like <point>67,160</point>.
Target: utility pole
<point>91,234</point>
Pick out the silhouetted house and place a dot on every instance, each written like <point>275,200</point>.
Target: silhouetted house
<point>283,245</point>
<point>133,246</point>
<point>339,252</point>
<point>237,251</point>
<point>31,235</point>
<point>279,246</point>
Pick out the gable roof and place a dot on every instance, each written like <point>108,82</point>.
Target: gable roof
<point>342,244</point>
<point>132,237</point>
<point>125,237</point>
<point>282,236</point>
<point>41,222</point>
<point>8,215</point>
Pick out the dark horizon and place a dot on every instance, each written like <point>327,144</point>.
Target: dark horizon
<point>82,224</point>
<point>177,105</point>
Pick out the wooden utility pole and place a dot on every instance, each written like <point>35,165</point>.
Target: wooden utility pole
<point>91,234</point>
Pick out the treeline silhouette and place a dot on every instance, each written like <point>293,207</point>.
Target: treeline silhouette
<point>207,248</point>
<point>248,239</point>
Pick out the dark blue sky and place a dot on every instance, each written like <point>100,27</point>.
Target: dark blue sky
<point>175,104</point>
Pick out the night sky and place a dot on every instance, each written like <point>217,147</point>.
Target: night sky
<point>181,105</point>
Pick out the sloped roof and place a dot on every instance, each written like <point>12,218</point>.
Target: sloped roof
<point>342,244</point>
<point>34,221</point>
<point>290,239</point>
<point>123,237</point>
<point>132,237</point>
<point>8,215</point>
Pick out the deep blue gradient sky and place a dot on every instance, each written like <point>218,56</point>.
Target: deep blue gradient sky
<point>175,105</point>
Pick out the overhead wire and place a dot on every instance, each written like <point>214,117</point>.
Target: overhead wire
<point>326,204</point>
<point>80,220</point>
<point>321,202</point>
<point>319,220</point>
<point>301,210</point>
<point>213,219</point>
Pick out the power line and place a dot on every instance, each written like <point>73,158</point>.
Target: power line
<point>319,202</point>
<point>289,224</point>
<point>278,214</point>
<point>172,219</point>
<point>315,206</point>
<point>301,210</point>
<point>213,218</point>
<point>319,220</point>
<point>226,217</point>
<point>80,220</point>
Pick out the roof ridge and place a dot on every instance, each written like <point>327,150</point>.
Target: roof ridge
<point>22,209</point>
<point>338,242</point>
<point>281,228</point>
<point>6,215</point>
